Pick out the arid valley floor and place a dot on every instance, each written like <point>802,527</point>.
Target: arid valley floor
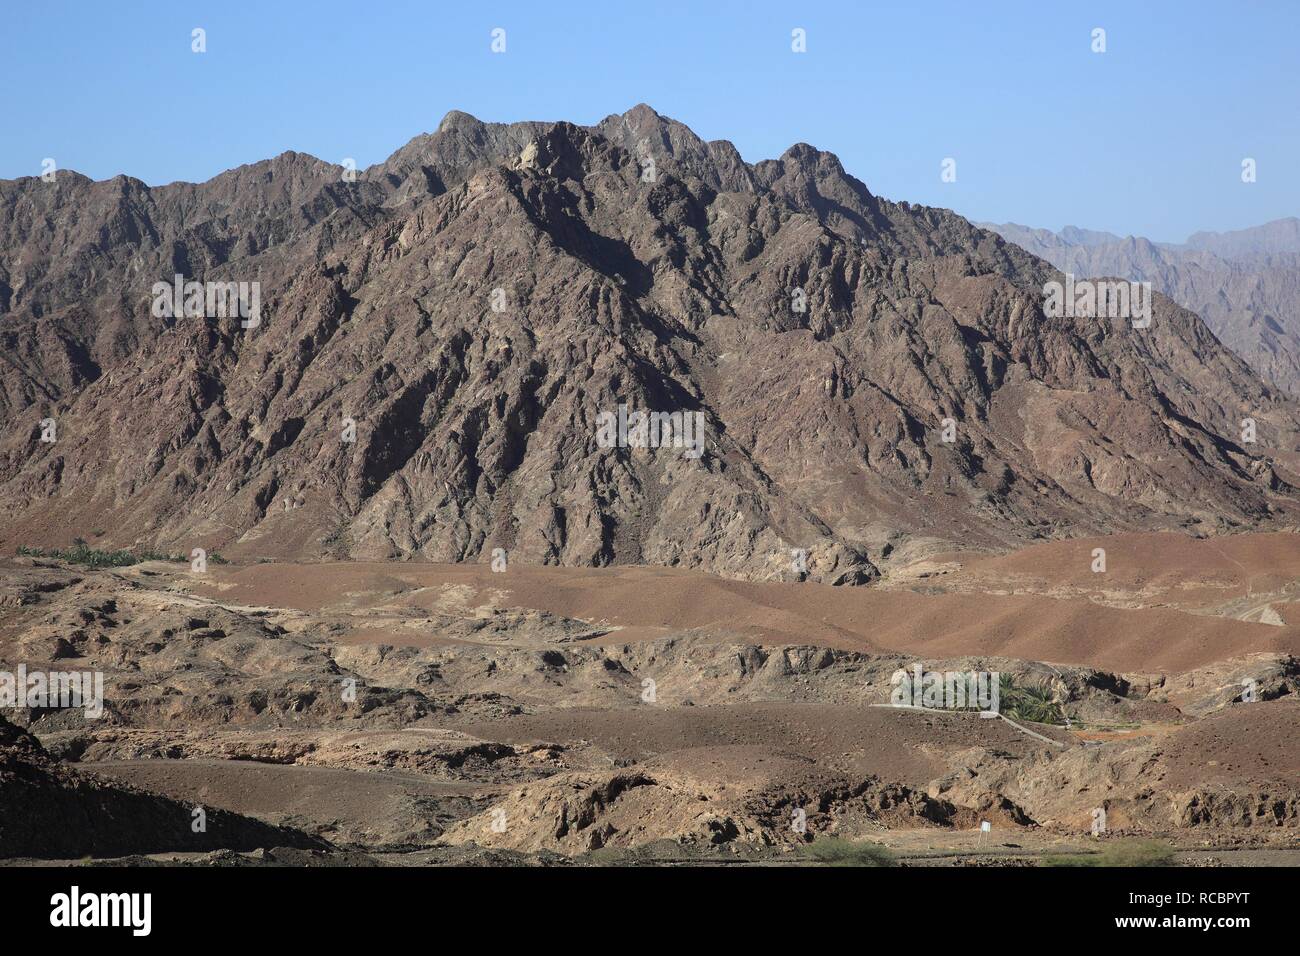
<point>425,714</point>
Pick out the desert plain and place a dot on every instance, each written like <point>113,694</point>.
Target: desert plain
<point>417,713</point>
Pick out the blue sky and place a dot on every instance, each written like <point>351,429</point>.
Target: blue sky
<point>1146,138</point>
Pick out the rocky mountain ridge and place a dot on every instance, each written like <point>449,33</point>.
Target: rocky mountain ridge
<point>440,333</point>
<point>1244,284</point>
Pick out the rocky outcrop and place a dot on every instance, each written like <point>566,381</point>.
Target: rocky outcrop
<point>576,813</point>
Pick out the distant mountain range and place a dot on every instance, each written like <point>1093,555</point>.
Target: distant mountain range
<point>440,335</point>
<point>1245,284</point>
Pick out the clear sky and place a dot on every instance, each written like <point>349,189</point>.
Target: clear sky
<point>1147,138</point>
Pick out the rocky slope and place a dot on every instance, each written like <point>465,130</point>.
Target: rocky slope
<point>1244,284</point>
<point>474,304</point>
<point>52,811</point>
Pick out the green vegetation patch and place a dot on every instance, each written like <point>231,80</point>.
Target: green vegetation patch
<point>83,554</point>
<point>833,851</point>
<point>1118,853</point>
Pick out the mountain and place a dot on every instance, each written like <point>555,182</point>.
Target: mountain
<point>470,310</point>
<point>1279,237</point>
<point>1245,284</point>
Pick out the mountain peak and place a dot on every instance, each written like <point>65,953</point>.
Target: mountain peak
<point>458,119</point>
<point>642,113</point>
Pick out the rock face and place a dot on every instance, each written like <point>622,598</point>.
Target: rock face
<point>574,813</point>
<point>439,337</point>
<point>1244,284</point>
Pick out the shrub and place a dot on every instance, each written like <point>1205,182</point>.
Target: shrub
<point>1034,704</point>
<point>1118,853</point>
<point>833,851</point>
